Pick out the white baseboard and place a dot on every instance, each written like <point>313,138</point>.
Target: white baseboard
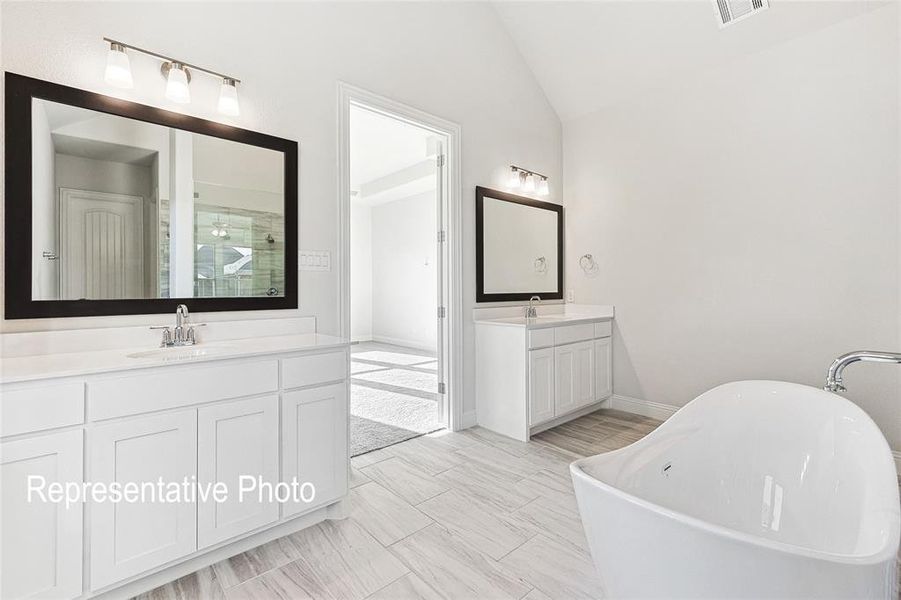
<point>469,419</point>
<point>415,344</point>
<point>646,408</point>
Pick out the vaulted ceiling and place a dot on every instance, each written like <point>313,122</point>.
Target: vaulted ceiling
<point>590,55</point>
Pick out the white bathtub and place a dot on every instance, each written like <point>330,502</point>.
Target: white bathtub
<point>755,489</point>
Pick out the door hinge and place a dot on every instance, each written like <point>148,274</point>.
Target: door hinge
<point>442,389</point>
<point>440,160</point>
<point>442,236</point>
<point>441,312</point>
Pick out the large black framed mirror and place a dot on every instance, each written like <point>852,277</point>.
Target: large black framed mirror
<point>114,207</point>
<point>519,247</point>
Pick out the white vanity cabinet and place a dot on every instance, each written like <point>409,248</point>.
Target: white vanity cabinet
<point>314,438</point>
<point>269,416</point>
<point>42,542</point>
<point>533,374</point>
<point>235,440</point>
<point>128,538</point>
<point>542,384</point>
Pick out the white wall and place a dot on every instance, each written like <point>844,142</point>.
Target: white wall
<point>746,221</point>
<point>44,272</point>
<point>404,275</point>
<point>453,60</point>
<point>360,271</point>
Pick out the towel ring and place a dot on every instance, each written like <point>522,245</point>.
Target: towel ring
<point>588,263</point>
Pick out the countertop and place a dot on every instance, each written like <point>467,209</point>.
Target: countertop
<point>549,320</point>
<point>76,364</point>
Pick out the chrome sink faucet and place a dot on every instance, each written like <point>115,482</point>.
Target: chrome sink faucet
<point>834,378</point>
<point>531,311</point>
<point>183,334</point>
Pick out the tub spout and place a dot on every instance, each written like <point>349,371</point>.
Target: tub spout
<point>834,378</point>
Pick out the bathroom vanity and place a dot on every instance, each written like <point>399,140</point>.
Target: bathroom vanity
<point>268,407</point>
<point>535,373</point>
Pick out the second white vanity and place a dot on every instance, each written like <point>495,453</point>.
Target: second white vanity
<point>535,373</point>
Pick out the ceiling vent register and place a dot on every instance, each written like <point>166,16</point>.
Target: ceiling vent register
<point>733,11</point>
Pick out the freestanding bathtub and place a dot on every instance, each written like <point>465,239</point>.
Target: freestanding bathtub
<point>755,489</point>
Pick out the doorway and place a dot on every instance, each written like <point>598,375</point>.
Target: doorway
<point>397,295</point>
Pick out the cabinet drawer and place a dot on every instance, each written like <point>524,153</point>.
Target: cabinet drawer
<point>301,371</point>
<point>28,409</point>
<point>573,333</point>
<point>182,386</point>
<point>603,329</point>
<point>541,338</point>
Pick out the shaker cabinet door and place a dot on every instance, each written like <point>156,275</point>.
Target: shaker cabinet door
<point>128,538</point>
<point>235,440</point>
<point>314,438</point>
<point>42,541</point>
<point>541,386</point>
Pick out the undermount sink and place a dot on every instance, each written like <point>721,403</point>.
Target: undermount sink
<point>182,352</point>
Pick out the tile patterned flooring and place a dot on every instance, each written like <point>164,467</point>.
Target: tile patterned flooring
<point>448,515</point>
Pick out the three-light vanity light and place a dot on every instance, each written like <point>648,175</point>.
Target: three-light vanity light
<point>529,181</point>
<point>176,72</point>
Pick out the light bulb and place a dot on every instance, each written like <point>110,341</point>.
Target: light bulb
<point>177,84</point>
<point>529,185</point>
<point>118,69</point>
<point>228,98</point>
<point>513,182</point>
<point>543,188</point>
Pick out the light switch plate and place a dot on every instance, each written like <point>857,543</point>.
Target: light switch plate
<point>314,260</point>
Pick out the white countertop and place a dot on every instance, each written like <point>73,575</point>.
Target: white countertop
<point>551,319</point>
<point>75,364</point>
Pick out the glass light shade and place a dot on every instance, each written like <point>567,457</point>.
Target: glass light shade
<point>118,69</point>
<point>543,187</point>
<point>529,185</point>
<point>177,84</point>
<point>228,98</point>
<point>513,182</point>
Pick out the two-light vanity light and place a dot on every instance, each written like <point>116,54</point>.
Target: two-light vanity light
<point>178,77</point>
<point>528,181</point>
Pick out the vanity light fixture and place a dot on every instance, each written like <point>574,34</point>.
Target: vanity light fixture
<point>228,98</point>
<point>515,178</point>
<point>529,185</point>
<point>177,74</point>
<point>118,69</point>
<point>530,181</point>
<point>177,80</point>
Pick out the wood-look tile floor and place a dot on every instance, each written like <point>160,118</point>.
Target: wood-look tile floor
<point>448,515</point>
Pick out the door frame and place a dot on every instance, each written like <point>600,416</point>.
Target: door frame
<point>451,285</point>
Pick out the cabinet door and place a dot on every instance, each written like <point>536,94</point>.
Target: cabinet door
<point>42,551</point>
<point>541,386</point>
<point>235,440</point>
<point>128,538</point>
<point>574,376</point>
<point>314,434</point>
<point>603,369</point>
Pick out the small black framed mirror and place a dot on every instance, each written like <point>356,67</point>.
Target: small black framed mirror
<point>114,208</point>
<point>519,247</point>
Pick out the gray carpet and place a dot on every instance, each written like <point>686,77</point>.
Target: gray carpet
<point>393,396</point>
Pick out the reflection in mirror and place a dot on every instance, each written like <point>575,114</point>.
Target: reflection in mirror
<point>519,247</point>
<point>126,209</point>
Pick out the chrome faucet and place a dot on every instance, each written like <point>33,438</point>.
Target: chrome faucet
<point>183,334</point>
<point>834,378</point>
<point>531,311</point>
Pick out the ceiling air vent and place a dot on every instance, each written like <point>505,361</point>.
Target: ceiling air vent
<point>733,11</point>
